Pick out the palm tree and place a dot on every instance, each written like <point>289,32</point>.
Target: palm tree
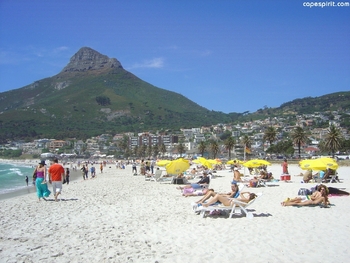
<point>229,144</point>
<point>270,135</point>
<point>333,139</point>
<point>202,147</point>
<point>299,137</point>
<point>162,149</point>
<point>214,148</point>
<point>155,150</point>
<point>180,148</point>
<point>247,143</point>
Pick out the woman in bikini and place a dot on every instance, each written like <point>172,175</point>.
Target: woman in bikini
<point>318,197</point>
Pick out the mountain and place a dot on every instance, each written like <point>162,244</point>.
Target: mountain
<point>93,94</point>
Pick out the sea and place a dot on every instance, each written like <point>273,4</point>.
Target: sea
<point>12,177</point>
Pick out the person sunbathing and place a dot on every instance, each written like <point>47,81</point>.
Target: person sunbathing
<point>196,192</point>
<point>211,193</point>
<point>318,197</point>
<point>226,201</point>
<point>200,184</point>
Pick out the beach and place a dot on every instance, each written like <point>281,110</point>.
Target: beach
<point>118,217</point>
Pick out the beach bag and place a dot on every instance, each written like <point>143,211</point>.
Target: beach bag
<point>304,191</point>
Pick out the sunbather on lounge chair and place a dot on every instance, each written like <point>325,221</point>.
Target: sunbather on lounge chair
<point>210,193</point>
<point>226,201</point>
<point>204,181</point>
<point>318,197</point>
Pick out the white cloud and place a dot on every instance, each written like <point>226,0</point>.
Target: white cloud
<point>63,48</point>
<point>152,63</point>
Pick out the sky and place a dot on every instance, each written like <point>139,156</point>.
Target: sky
<point>225,55</point>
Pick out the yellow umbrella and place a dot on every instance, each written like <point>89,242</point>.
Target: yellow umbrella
<point>256,163</point>
<point>177,166</point>
<point>163,162</point>
<point>205,162</point>
<point>319,164</point>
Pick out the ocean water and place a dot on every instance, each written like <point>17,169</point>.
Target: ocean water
<point>12,177</point>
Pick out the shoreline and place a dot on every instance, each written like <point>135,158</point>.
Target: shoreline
<point>30,189</point>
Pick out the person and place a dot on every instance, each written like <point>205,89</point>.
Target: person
<point>40,182</point>
<point>192,192</point>
<point>285,167</point>
<point>153,163</point>
<point>67,175</point>
<point>84,171</point>
<point>143,168</point>
<point>236,175</point>
<point>93,171</point>
<point>226,201</point>
<point>134,169</point>
<point>201,183</point>
<point>101,168</point>
<point>307,176</point>
<point>318,197</point>
<point>27,180</point>
<point>56,176</point>
<point>210,193</point>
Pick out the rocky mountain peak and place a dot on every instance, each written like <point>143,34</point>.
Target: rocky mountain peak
<point>88,59</point>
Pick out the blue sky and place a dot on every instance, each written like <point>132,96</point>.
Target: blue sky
<point>225,55</point>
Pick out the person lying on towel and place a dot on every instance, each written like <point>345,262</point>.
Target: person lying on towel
<point>318,197</point>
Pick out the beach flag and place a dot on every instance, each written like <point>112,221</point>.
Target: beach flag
<point>247,150</point>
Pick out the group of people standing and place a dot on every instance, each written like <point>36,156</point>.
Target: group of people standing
<point>56,175</point>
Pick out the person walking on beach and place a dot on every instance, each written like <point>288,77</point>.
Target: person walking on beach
<point>56,176</point>
<point>67,175</point>
<point>27,180</point>
<point>285,167</point>
<point>101,168</point>
<point>134,169</point>
<point>42,190</point>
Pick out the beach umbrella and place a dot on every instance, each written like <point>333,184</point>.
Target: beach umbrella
<point>163,162</point>
<point>177,166</point>
<point>256,163</point>
<point>205,162</point>
<point>319,164</point>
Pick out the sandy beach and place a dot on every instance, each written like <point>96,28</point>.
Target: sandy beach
<point>118,217</point>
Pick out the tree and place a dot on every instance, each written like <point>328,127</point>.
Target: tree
<point>214,148</point>
<point>229,144</point>
<point>149,151</point>
<point>299,137</point>
<point>333,139</point>
<point>180,148</point>
<point>270,135</point>
<point>202,147</point>
<point>162,149</point>
<point>155,150</point>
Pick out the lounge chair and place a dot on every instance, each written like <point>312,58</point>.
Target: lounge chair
<point>235,208</point>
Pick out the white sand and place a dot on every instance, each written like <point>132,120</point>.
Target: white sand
<point>118,217</point>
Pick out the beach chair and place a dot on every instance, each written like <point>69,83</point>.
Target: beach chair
<point>236,208</point>
<point>156,176</point>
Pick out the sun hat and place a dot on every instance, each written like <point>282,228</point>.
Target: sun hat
<point>42,162</point>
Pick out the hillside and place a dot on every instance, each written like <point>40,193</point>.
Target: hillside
<point>93,94</point>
